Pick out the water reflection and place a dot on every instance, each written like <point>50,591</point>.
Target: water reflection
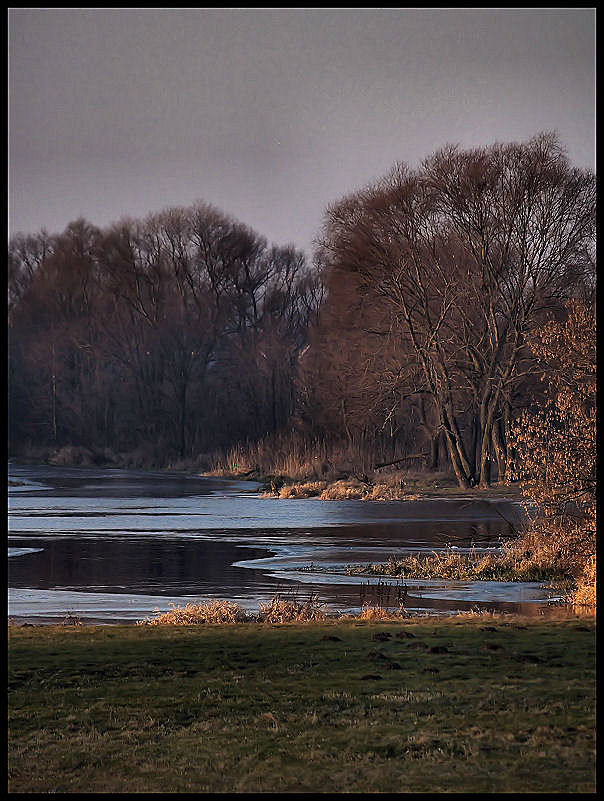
<point>112,542</point>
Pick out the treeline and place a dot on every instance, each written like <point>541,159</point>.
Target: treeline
<point>406,338</point>
<point>172,336</point>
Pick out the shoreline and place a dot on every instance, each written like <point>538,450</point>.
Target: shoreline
<point>283,487</point>
<point>418,485</point>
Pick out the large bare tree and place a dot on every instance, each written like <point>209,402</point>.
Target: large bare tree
<point>470,251</point>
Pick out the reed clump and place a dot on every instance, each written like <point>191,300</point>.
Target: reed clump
<point>210,612</point>
<point>506,565</point>
<point>376,613</point>
<point>217,612</point>
<point>338,479</point>
<point>389,492</point>
<point>305,489</point>
<point>388,489</point>
<point>293,466</point>
<point>292,455</point>
<point>287,610</point>
<point>344,491</point>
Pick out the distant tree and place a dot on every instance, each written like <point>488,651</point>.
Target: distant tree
<point>52,338</point>
<point>259,361</point>
<point>26,252</point>
<point>170,335</point>
<point>358,380</point>
<point>174,282</point>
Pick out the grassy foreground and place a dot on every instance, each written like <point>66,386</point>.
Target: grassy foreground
<point>485,704</point>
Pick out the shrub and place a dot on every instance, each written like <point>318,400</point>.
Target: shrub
<point>585,593</point>
<point>556,446</point>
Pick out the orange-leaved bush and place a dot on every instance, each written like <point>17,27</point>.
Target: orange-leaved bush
<point>556,448</point>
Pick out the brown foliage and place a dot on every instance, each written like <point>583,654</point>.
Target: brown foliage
<point>556,443</point>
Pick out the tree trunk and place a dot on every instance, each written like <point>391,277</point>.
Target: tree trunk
<point>54,395</point>
<point>462,478</point>
<point>434,451</point>
<point>499,447</point>
<point>487,415</point>
<point>477,428</point>
<point>507,436</point>
<point>456,449</point>
<point>182,422</point>
<point>433,437</point>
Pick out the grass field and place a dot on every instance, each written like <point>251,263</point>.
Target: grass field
<point>485,704</point>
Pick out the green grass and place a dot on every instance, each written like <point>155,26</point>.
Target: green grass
<point>509,706</point>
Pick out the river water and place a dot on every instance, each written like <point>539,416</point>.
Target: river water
<point>112,546</point>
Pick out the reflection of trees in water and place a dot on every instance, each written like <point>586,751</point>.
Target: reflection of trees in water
<point>157,565</point>
<point>128,564</point>
<point>486,533</point>
<point>384,593</point>
<point>480,533</point>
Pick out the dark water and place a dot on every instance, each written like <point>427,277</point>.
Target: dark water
<point>113,545</point>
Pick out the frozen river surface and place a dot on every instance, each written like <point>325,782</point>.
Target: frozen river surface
<point>114,545</point>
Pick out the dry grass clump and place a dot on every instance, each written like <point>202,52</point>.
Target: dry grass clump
<point>341,490</point>
<point>344,491</point>
<point>307,489</point>
<point>300,459</point>
<point>285,610</point>
<point>290,455</point>
<point>72,620</point>
<point>479,614</point>
<point>212,612</point>
<point>217,612</point>
<point>507,565</point>
<point>389,492</point>
<point>375,612</point>
<point>585,593</point>
<point>331,471</point>
<point>344,483</point>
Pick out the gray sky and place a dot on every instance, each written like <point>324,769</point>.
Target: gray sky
<point>272,114</point>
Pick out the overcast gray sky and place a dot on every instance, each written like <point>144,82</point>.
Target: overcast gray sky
<point>272,114</point>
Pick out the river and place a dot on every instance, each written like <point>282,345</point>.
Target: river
<point>111,546</point>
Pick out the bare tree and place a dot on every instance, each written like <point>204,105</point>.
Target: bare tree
<point>469,252</point>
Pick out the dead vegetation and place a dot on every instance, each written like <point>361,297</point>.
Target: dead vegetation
<point>371,485</point>
<point>288,610</point>
<point>210,612</point>
<point>509,564</point>
<point>279,609</point>
<point>585,596</point>
<point>291,466</point>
